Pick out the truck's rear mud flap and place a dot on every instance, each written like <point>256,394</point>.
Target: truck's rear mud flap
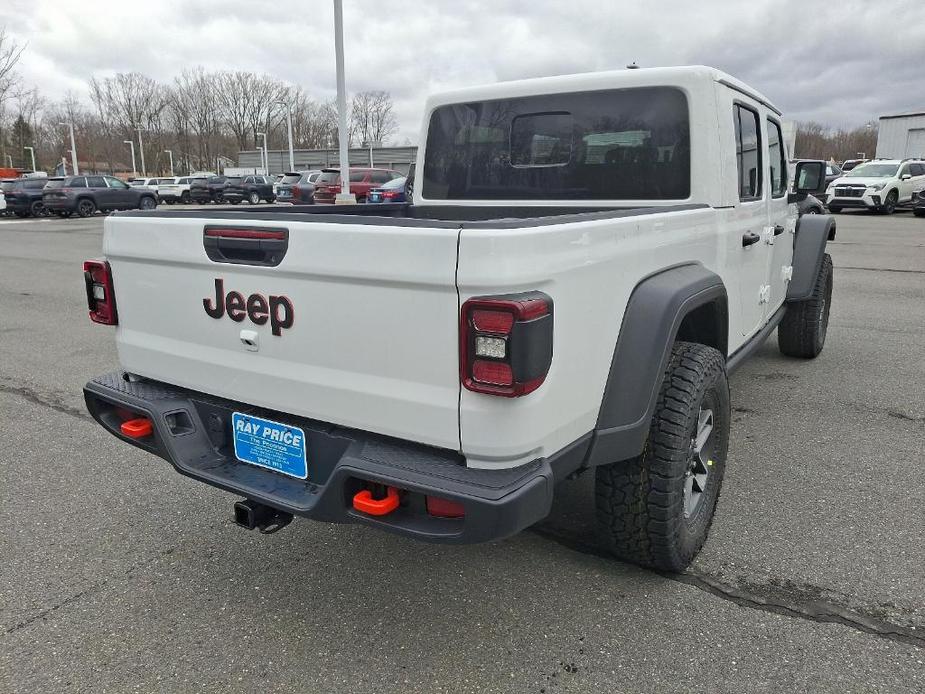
<point>192,431</point>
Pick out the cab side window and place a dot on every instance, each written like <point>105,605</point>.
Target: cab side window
<point>748,152</point>
<point>777,160</point>
<point>115,183</point>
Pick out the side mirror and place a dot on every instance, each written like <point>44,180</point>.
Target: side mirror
<point>809,179</point>
<point>906,177</point>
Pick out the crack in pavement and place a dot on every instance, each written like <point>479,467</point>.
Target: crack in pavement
<point>775,599</point>
<point>89,590</point>
<point>45,400</point>
<point>879,269</point>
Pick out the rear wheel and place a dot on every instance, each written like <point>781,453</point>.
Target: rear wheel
<point>184,197</point>
<point>147,203</point>
<point>802,331</point>
<point>37,209</point>
<point>86,207</point>
<point>656,509</point>
<point>253,198</point>
<point>889,205</point>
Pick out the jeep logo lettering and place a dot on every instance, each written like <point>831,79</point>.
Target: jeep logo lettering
<point>277,309</point>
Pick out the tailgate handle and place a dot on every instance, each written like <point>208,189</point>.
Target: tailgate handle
<point>245,245</point>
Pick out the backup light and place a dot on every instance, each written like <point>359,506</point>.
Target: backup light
<point>494,347</point>
<point>101,301</point>
<point>505,343</point>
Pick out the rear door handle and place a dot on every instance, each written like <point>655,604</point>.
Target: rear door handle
<point>778,230</point>
<point>749,238</point>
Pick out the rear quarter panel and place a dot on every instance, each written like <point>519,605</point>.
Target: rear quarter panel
<point>589,268</point>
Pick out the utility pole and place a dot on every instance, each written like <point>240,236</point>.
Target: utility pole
<point>32,152</point>
<point>73,149</point>
<point>289,129</point>
<point>141,149</point>
<point>344,197</point>
<point>131,143</point>
<point>170,154</point>
<point>265,158</point>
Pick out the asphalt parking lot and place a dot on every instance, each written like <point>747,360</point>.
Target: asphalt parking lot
<point>119,575</point>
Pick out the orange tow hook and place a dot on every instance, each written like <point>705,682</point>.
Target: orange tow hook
<point>363,501</point>
<point>137,428</point>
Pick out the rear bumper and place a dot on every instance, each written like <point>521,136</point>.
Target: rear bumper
<point>192,431</point>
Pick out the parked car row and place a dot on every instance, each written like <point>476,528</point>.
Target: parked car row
<point>298,187</point>
<point>84,195</point>
<point>67,195</point>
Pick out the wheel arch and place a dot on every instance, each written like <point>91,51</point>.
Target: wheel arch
<point>687,302</point>
<point>812,234</point>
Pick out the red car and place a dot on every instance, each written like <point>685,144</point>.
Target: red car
<point>362,180</point>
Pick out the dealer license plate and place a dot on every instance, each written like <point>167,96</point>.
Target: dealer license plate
<point>275,446</point>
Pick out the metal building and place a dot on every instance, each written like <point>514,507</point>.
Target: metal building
<point>901,136</point>
<point>397,158</point>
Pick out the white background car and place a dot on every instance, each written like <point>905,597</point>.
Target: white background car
<point>175,189</point>
<point>879,185</point>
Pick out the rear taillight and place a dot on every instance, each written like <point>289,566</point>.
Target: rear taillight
<point>389,194</point>
<point>505,343</point>
<point>101,300</point>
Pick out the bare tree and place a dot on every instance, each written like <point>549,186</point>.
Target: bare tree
<point>817,141</point>
<point>129,101</point>
<point>10,53</point>
<point>372,117</point>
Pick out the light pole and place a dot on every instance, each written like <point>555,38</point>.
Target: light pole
<point>344,197</point>
<point>170,153</point>
<point>64,166</point>
<point>73,149</point>
<point>289,129</point>
<point>32,152</point>
<point>131,144</point>
<point>141,150</point>
<point>265,159</point>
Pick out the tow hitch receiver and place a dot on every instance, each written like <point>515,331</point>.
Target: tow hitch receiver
<point>364,502</point>
<point>251,514</point>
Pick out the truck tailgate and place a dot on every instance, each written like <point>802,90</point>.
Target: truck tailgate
<point>373,337</point>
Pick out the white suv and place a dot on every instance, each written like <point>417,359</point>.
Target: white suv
<point>880,185</point>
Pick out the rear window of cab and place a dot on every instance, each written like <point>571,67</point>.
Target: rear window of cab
<point>616,144</point>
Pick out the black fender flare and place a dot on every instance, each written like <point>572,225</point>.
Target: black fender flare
<point>812,233</point>
<point>654,314</point>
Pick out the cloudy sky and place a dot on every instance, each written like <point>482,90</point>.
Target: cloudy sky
<point>847,62</point>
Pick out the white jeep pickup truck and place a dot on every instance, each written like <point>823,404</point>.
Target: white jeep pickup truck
<point>585,261</point>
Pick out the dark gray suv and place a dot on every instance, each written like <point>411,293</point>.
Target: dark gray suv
<point>87,194</point>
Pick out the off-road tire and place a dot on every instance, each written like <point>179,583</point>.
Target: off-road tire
<point>802,331</point>
<point>641,502</point>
